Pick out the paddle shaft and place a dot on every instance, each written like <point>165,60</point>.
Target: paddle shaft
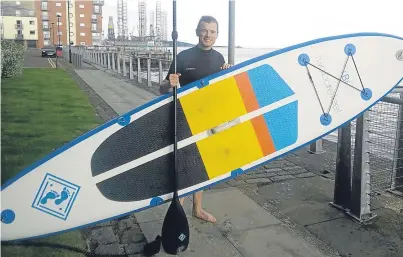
<point>175,95</point>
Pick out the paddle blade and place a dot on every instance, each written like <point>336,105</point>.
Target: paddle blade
<point>175,229</point>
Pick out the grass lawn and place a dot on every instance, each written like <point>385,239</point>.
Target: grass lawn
<point>41,110</point>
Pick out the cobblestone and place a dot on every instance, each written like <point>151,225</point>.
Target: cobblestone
<point>305,175</point>
<point>258,180</point>
<point>282,177</point>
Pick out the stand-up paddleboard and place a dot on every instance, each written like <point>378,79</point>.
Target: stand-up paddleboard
<point>228,123</point>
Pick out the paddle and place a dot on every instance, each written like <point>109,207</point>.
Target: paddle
<point>175,228</point>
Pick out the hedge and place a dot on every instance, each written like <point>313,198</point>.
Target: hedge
<point>12,59</point>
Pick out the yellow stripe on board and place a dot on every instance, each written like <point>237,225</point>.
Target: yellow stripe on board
<point>230,149</point>
<point>212,105</point>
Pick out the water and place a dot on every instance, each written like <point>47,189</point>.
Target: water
<point>382,113</point>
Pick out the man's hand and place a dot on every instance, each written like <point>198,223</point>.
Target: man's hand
<point>226,66</point>
<point>174,79</point>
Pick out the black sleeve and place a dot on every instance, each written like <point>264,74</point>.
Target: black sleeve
<point>219,58</point>
<point>164,88</point>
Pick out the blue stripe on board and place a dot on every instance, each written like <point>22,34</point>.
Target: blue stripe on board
<point>283,125</point>
<point>269,87</point>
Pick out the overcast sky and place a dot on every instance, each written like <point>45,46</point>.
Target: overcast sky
<point>274,24</point>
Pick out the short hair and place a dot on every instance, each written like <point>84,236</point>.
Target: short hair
<point>208,19</point>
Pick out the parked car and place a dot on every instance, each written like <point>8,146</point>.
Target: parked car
<point>48,51</point>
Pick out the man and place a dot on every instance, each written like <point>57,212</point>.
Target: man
<point>194,64</point>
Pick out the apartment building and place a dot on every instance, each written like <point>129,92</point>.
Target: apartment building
<point>19,23</point>
<point>85,18</point>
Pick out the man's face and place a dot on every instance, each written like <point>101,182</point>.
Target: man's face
<point>207,33</point>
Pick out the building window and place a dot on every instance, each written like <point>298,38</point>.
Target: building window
<point>31,22</point>
<point>58,4</point>
<point>58,14</point>
<point>60,23</point>
<point>32,32</point>
<point>94,27</point>
<point>82,34</point>
<point>82,25</point>
<point>97,9</point>
<point>46,42</point>
<point>82,15</point>
<point>81,6</point>
<point>59,33</point>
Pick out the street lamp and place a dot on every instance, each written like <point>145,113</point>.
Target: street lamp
<point>58,33</point>
<point>53,34</point>
<point>68,13</point>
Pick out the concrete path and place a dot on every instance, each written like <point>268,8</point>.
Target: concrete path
<point>243,227</point>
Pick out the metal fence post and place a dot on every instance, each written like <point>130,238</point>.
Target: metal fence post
<point>113,61</point>
<point>316,147</point>
<point>138,70</point>
<point>161,77</point>
<point>397,172</point>
<point>124,64</point>
<point>361,193</point>
<point>131,67</point>
<point>118,61</point>
<point>342,187</point>
<point>149,70</point>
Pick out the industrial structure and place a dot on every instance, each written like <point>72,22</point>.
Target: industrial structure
<point>164,26</point>
<point>122,19</point>
<point>152,33</point>
<point>142,18</point>
<point>111,29</point>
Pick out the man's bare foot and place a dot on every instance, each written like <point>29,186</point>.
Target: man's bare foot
<point>202,214</point>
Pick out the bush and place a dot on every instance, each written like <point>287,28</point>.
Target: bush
<point>12,59</point>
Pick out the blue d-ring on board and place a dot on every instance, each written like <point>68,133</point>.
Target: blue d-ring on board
<point>325,119</point>
<point>350,49</point>
<point>124,120</point>
<point>7,216</point>
<point>156,201</point>
<point>366,94</point>
<point>303,59</point>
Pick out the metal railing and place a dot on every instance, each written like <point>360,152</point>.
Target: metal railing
<point>19,36</point>
<point>19,26</point>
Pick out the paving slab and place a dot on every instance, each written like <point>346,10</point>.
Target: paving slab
<point>354,240</point>
<point>305,201</point>
<point>276,241</point>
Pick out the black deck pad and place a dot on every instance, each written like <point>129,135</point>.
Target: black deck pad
<point>155,177</point>
<point>145,135</point>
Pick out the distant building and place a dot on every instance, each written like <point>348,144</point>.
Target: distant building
<point>85,21</point>
<point>19,23</point>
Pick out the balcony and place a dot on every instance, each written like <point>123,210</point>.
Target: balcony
<point>19,26</point>
<point>44,8</point>
<point>46,37</point>
<point>45,17</point>
<point>45,27</point>
<point>94,20</point>
<point>19,36</point>
<point>94,29</point>
<point>98,2</point>
<point>97,10</point>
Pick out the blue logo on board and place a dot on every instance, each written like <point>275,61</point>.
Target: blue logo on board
<point>56,196</point>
